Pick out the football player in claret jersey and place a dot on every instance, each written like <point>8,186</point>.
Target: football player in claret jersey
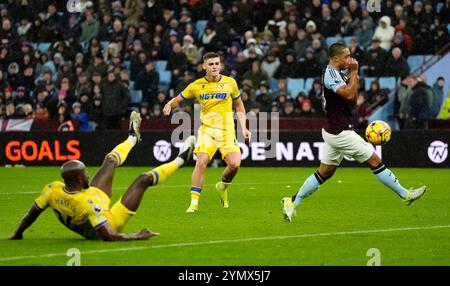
<point>217,94</point>
<point>84,207</point>
<point>340,91</point>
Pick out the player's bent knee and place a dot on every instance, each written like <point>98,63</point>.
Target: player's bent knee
<point>234,165</point>
<point>110,160</point>
<point>145,180</point>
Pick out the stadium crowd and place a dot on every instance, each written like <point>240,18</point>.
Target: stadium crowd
<point>94,66</point>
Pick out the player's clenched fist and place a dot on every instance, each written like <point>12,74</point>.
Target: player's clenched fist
<point>167,109</point>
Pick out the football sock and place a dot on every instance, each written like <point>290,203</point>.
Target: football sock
<point>225,184</point>
<point>385,176</point>
<point>311,184</point>
<point>161,173</point>
<point>121,151</point>
<point>195,195</point>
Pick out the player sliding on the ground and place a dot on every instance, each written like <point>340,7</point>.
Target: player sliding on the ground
<point>84,207</point>
<point>217,94</point>
<point>339,95</point>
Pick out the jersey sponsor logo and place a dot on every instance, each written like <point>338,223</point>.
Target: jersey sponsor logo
<point>438,151</point>
<point>162,150</point>
<point>219,95</point>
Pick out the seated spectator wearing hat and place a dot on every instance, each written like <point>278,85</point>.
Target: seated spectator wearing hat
<point>80,116</point>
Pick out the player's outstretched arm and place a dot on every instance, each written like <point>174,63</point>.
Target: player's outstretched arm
<point>32,214</point>
<point>107,234</point>
<point>173,103</point>
<point>240,112</point>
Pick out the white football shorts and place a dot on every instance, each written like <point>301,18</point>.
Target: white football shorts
<point>349,143</point>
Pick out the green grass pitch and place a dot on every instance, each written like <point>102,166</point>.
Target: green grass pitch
<point>349,215</point>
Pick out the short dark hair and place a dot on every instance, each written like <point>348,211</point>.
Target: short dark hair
<point>336,49</point>
<point>210,55</point>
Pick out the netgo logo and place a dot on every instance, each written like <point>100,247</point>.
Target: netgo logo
<point>38,151</point>
<point>438,151</point>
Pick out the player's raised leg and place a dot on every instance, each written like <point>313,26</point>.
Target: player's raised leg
<point>233,160</point>
<point>133,197</point>
<point>310,185</point>
<point>197,180</point>
<point>387,178</point>
<point>104,176</point>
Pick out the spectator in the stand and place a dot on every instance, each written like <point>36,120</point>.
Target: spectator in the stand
<point>396,64</point>
<point>80,116</point>
<point>360,112</point>
<point>118,33</point>
<point>222,30</point>
<point>190,50</point>
<point>320,54</point>
<point>82,85</point>
<point>309,67</point>
<point>329,25</point>
<point>266,42</point>
<point>161,98</point>
<point>144,110</point>
<point>315,95</point>
<point>178,62</point>
<point>438,99</point>
<point>398,42</point>
<point>423,41</point>
<point>248,102</point>
<point>255,74</point>
<point>270,64</point>
<point>252,47</point>
<point>137,64</point>
<point>41,113</point>
<point>28,112</point>
<point>89,28</point>
<point>147,81</point>
<point>376,96</point>
<point>407,33</point>
<point>157,112</point>
<point>374,59</point>
<point>441,39</point>
<point>85,102</point>
<point>209,39</point>
<point>355,50</point>
<point>289,68</point>
<point>306,109</point>
<point>96,111</point>
<point>301,43</point>
<point>63,114</point>
<point>115,101</point>
<point>418,16</point>
<point>263,96</point>
<point>22,96</point>
<point>384,32</point>
<point>10,110</point>
<point>105,28</point>
<point>134,9</point>
<point>418,113</point>
<point>288,110</point>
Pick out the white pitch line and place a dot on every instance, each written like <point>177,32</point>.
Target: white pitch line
<point>162,187</point>
<point>211,242</point>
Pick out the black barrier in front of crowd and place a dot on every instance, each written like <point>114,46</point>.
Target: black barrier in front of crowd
<point>427,148</point>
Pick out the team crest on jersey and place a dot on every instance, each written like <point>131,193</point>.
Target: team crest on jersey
<point>221,85</point>
<point>97,209</point>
